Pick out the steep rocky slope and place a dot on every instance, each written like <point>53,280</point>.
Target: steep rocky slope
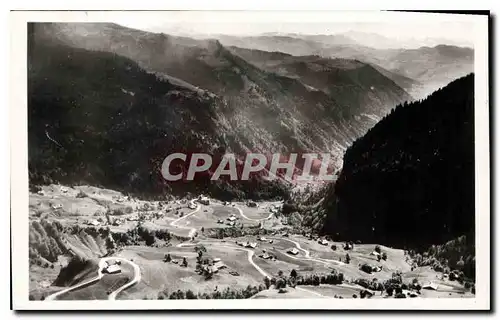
<point>108,103</point>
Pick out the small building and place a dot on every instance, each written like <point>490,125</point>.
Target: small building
<point>64,189</point>
<point>192,206</point>
<point>252,204</point>
<point>266,256</point>
<point>293,251</point>
<point>323,242</point>
<point>94,222</point>
<point>232,218</point>
<point>216,260</point>
<point>56,206</point>
<point>112,269</point>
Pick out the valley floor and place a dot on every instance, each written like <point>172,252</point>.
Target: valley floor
<point>243,260</point>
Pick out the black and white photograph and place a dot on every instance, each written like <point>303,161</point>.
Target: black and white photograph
<point>251,160</point>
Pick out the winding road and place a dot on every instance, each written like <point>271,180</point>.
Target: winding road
<point>100,274</point>
<point>192,231</point>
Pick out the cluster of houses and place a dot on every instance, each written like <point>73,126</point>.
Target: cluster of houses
<point>230,221</point>
<point>323,242</point>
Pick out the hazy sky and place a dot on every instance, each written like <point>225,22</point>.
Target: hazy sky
<point>404,27</point>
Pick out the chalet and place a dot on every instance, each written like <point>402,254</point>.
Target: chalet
<point>323,242</point>
<point>219,265</point>
<point>266,256</point>
<point>112,269</point>
<point>430,286</point>
<point>56,206</point>
<point>204,200</point>
<point>293,251</point>
<point>376,269</point>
